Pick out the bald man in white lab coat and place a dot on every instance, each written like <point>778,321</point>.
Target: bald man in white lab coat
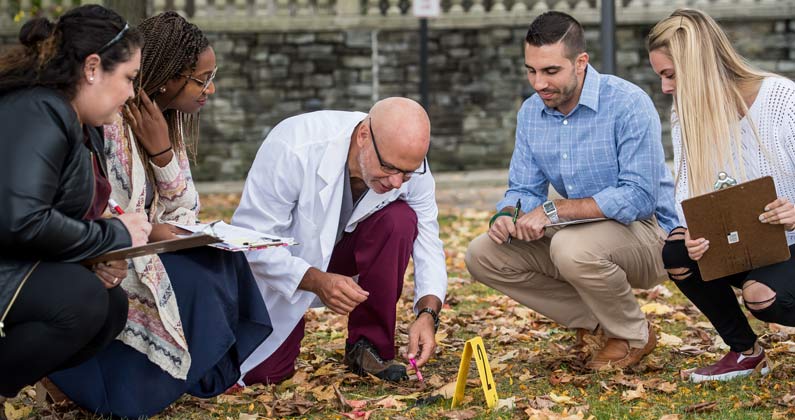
<point>356,193</point>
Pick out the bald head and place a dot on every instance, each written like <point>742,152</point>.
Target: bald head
<point>402,130</point>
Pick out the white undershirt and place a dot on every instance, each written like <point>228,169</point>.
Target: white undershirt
<point>773,112</point>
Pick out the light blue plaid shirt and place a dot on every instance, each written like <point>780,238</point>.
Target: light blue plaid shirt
<point>608,147</point>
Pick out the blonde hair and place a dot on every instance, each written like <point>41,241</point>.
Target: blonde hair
<point>708,101</point>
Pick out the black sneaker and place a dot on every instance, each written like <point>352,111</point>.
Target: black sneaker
<point>362,358</point>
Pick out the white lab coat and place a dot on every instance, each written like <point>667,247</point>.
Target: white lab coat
<point>294,189</point>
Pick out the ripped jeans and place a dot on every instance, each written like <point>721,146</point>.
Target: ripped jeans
<point>768,293</point>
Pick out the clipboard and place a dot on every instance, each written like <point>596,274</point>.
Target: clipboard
<point>169,245</point>
<point>729,220</point>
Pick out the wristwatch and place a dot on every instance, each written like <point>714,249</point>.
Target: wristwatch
<point>551,211</point>
<point>433,314</point>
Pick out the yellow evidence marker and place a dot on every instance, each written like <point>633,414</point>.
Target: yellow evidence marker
<point>475,347</point>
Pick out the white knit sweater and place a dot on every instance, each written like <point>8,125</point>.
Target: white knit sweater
<point>773,113</point>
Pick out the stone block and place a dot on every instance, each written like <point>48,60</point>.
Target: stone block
<point>300,38</point>
<point>331,37</point>
<point>279,60</point>
<point>785,66</point>
<point>259,54</point>
<point>223,46</point>
<point>358,39</point>
<point>458,52</point>
<point>302,67</point>
<point>315,50</point>
<point>318,81</point>
<point>345,77</point>
<point>361,90</point>
<point>271,73</point>
<point>270,38</point>
<point>452,40</point>
<point>355,61</point>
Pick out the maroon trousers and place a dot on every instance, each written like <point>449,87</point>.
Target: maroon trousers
<point>378,251</point>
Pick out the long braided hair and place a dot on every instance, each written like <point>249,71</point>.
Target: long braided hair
<point>171,46</point>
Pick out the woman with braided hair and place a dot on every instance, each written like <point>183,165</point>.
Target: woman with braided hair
<point>195,314</point>
<point>64,80</point>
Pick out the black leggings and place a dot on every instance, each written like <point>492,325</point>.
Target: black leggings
<point>717,301</point>
<point>62,316</point>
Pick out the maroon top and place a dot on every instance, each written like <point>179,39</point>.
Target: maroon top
<point>101,190</point>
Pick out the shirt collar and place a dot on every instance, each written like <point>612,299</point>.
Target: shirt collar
<point>590,92</point>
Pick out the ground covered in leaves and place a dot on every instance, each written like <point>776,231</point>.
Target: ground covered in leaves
<point>536,377</point>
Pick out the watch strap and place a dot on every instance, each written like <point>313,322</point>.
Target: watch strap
<point>433,314</point>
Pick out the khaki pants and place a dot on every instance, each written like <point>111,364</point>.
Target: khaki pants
<point>580,276</point>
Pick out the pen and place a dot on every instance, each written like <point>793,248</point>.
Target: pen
<point>414,365</point>
<point>115,206</point>
<point>515,214</point>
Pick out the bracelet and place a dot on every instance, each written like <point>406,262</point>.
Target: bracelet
<point>502,213</point>
<point>163,152</point>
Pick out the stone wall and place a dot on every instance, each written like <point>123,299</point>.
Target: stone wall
<point>476,79</point>
<point>477,83</point>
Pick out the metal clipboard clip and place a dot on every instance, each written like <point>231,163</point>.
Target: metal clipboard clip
<point>724,181</point>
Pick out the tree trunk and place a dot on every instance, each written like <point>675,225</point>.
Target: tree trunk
<point>132,10</point>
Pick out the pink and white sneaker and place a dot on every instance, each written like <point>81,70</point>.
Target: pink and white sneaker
<point>732,365</point>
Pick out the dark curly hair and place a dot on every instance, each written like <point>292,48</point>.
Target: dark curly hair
<point>172,46</point>
<point>52,54</point>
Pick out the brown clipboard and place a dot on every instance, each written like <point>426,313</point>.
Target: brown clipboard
<point>169,245</point>
<point>729,220</point>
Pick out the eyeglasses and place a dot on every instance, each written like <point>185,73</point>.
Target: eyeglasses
<point>389,169</point>
<point>205,84</point>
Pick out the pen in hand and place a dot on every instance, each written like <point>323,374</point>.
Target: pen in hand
<point>115,206</point>
<point>515,215</point>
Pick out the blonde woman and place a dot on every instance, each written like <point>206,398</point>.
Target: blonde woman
<point>727,116</point>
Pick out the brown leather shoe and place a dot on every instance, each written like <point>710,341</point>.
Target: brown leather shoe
<point>617,354</point>
<point>362,358</point>
<point>587,341</point>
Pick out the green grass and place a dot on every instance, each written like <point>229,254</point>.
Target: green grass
<point>507,328</point>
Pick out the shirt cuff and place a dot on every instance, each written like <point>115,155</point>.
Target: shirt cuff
<point>169,172</point>
<point>608,201</point>
<point>528,202</point>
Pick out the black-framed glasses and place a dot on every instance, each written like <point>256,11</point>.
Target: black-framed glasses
<point>205,84</point>
<point>389,169</point>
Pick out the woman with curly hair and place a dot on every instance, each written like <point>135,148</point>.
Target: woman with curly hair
<point>196,314</point>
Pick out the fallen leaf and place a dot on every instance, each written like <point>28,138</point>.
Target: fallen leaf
<point>245,416</point>
<point>460,414</point>
<point>435,381</point>
<point>638,393</point>
<point>666,387</point>
<point>702,407</point>
<point>446,391</point>
<point>669,340</point>
<point>670,417</point>
<point>561,399</point>
<point>506,403</point>
<point>13,413</point>
<point>358,415</point>
<point>390,402</point>
<point>656,308</point>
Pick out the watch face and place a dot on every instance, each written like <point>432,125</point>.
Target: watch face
<point>549,207</point>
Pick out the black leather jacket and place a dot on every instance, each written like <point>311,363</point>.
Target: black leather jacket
<point>46,187</point>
